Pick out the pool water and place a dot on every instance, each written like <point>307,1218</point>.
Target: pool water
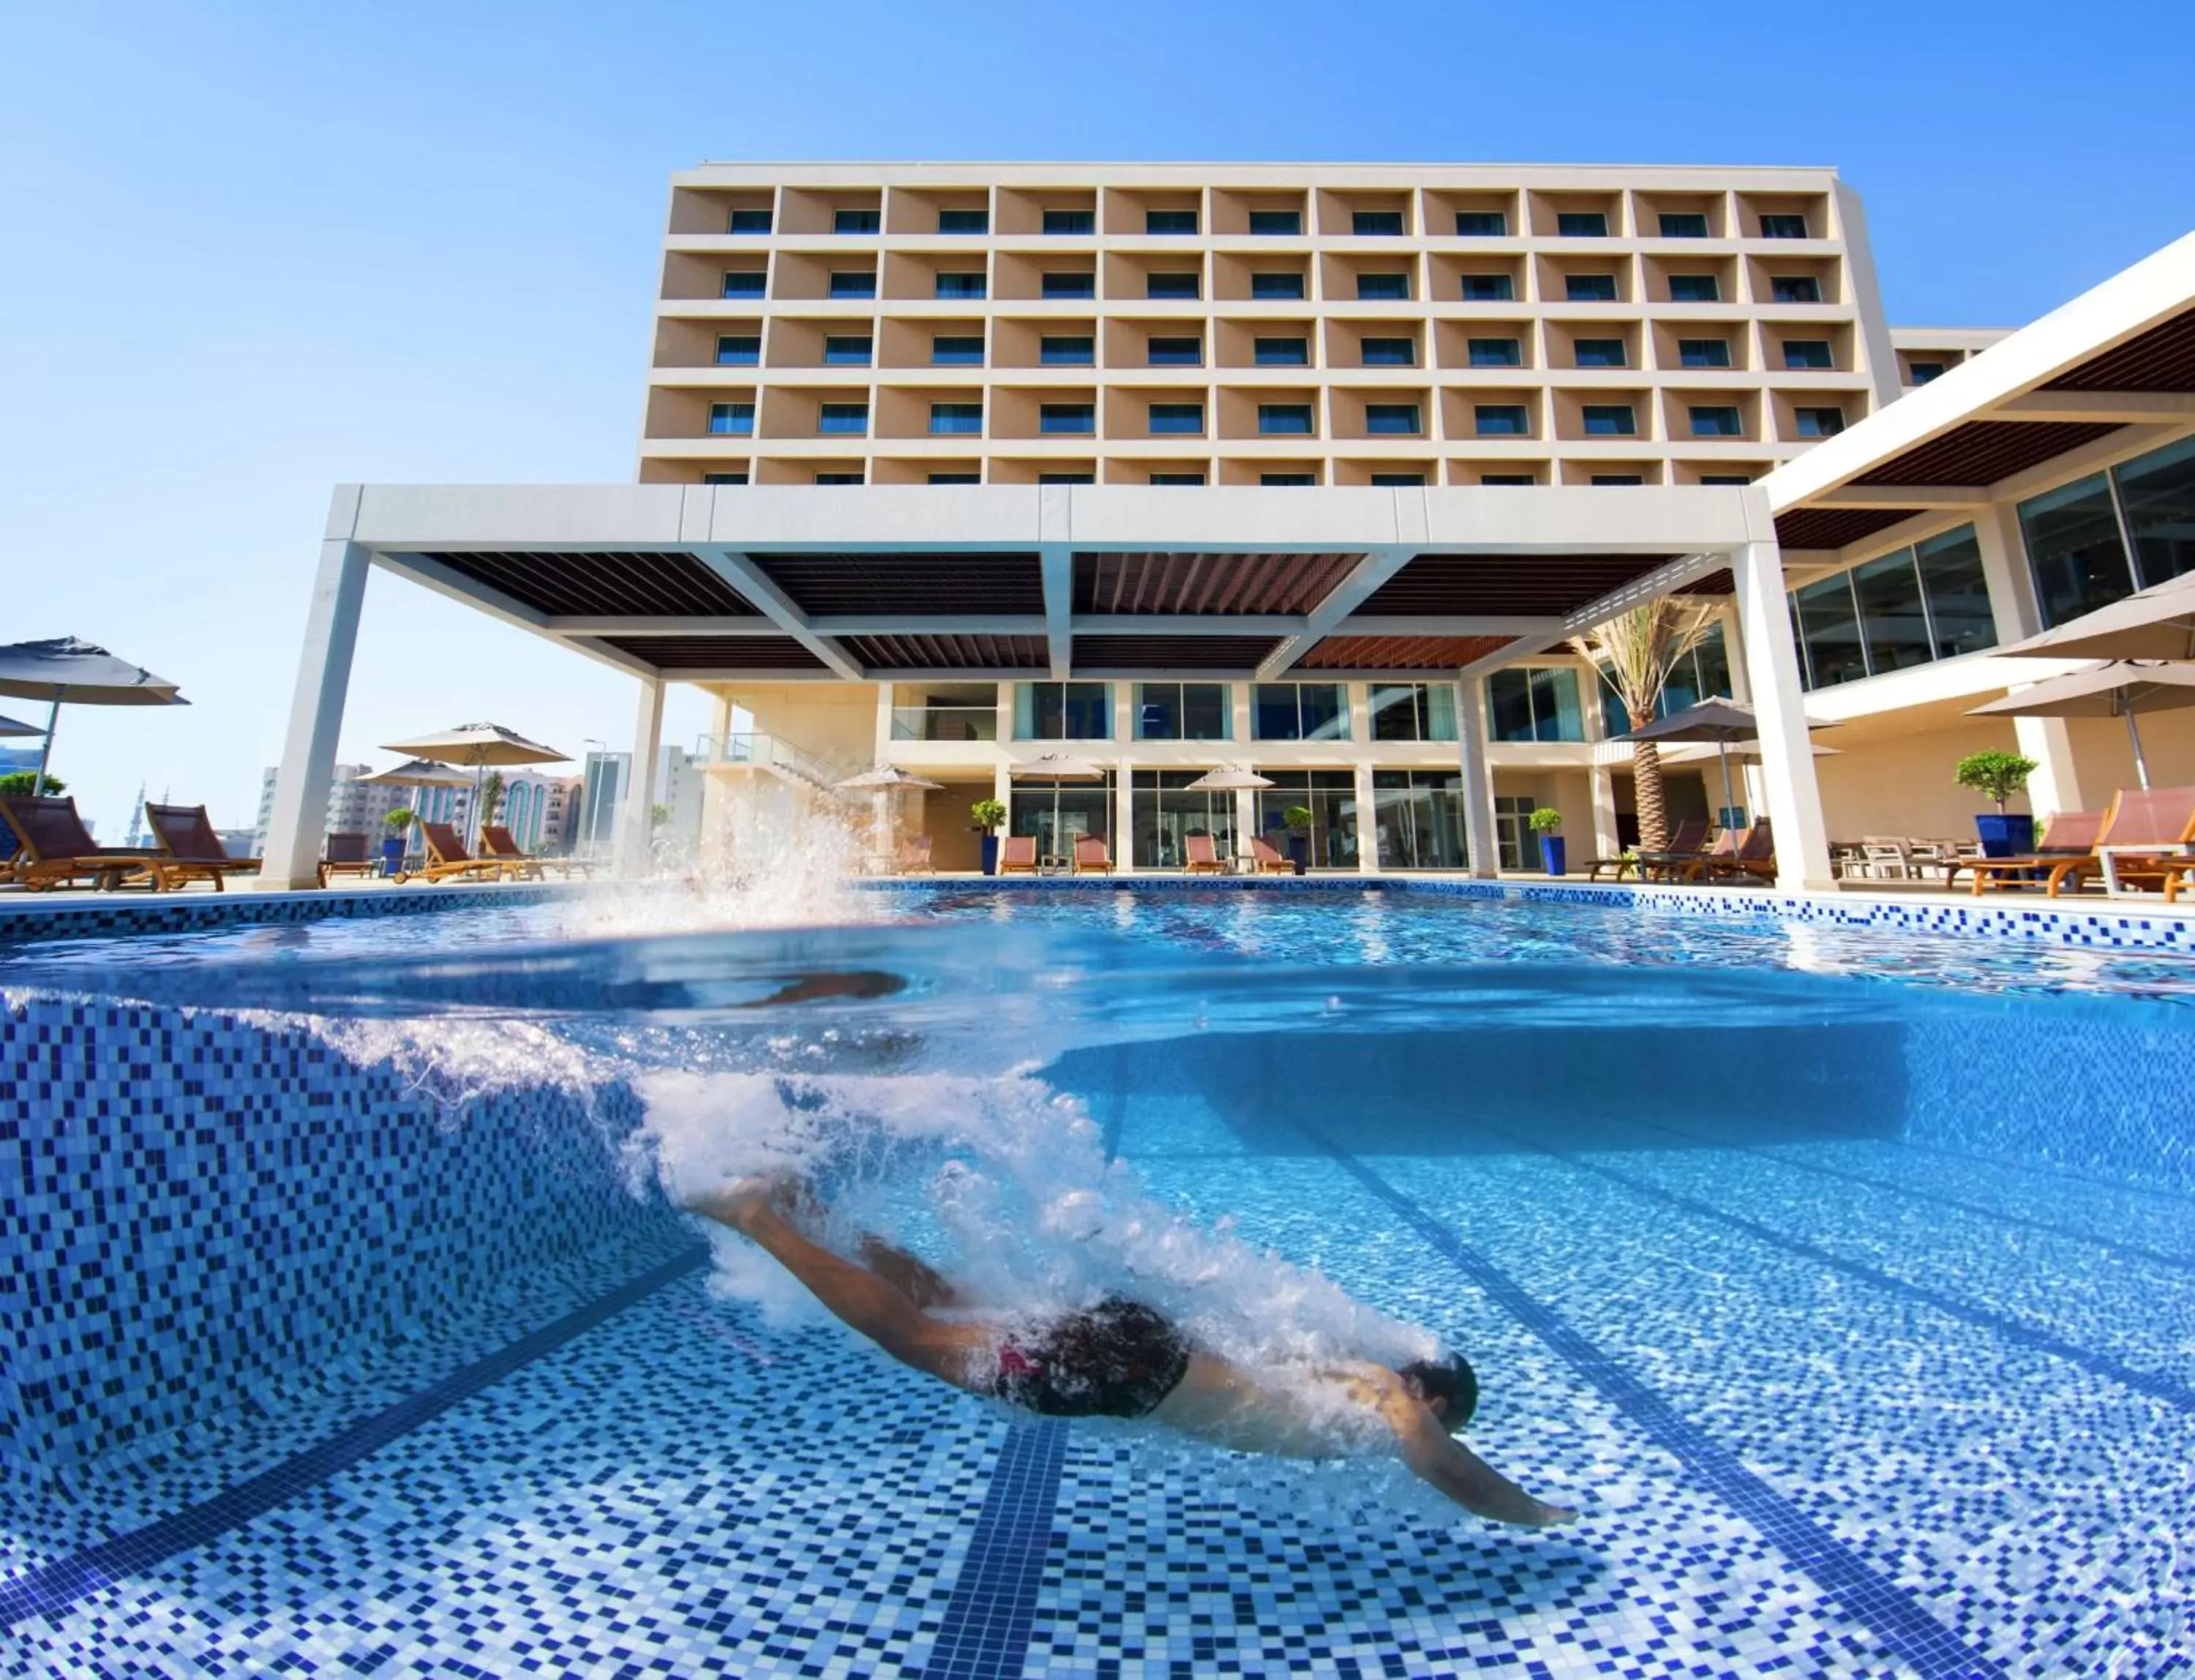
<point>1845,1281</point>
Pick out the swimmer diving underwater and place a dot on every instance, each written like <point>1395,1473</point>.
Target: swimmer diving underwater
<point>1120,1359</point>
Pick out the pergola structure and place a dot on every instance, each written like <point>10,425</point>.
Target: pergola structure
<point>886,584</point>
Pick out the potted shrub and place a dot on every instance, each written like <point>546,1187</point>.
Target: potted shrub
<point>1296,819</point>
<point>1547,823</point>
<point>395,830</point>
<point>1999,776</point>
<point>989,815</point>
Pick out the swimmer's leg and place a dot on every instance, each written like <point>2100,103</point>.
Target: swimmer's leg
<point>915,1278</point>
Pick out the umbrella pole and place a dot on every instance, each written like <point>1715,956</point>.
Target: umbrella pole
<point>46,751</point>
<point>2133,736</point>
<point>1728,799</point>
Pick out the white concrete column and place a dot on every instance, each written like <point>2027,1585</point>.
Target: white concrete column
<point>1246,819</point>
<point>299,821</point>
<point>1367,822</point>
<point>2056,784</point>
<point>1124,817</point>
<point>1600,778</point>
<point>1479,834</point>
<point>634,827</point>
<point>1787,752</point>
<point>884,743</point>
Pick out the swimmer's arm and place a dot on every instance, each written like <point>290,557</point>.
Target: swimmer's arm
<point>1440,1460</point>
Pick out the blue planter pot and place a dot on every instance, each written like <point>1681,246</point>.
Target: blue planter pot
<point>1299,851</point>
<point>1553,855</point>
<point>2006,836</point>
<point>990,854</point>
<point>392,856</point>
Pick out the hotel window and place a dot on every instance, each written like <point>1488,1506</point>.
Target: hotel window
<point>1383,288</point>
<point>1070,221</point>
<point>839,478</point>
<point>1894,621</point>
<point>1281,353</point>
<point>1063,712</point>
<point>1174,353</point>
<point>851,351</point>
<point>1695,289</point>
<point>1487,289</point>
<point>853,282</point>
<point>1170,285</point>
<point>855,221</point>
<point>1183,711</point>
<point>1725,478</point>
<point>1589,288</point>
<point>1178,478</point>
<point>750,221</point>
<point>1581,224</point>
<point>1717,422</point>
<point>1617,481</point>
<point>1684,225</point>
<point>2075,549</point>
<point>1286,223</point>
<point>1496,353</point>
<point>1279,480</point>
<point>1392,420</point>
<point>738,349</point>
<point>1067,349</point>
<point>744,282</point>
<point>1069,285</point>
<point>953,349</point>
<point>1807,353</point>
<point>1375,223</point>
<point>1066,478</point>
<point>1284,420</point>
<point>1389,353</point>
<point>1794,289</point>
<point>1412,711</point>
<point>1960,618</point>
<point>1482,224</point>
<point>1702,352</point>
<point>1168,814</point>
<point>960,286</point>
<point>1502,419</point>
<point>849,419</point>
<point>956,419</point>
<point>723,478</point>
<point>1817,422</point>
<point>956,479</point>
<point>1169,221</point>
<point>1784,227</point>
<point>1171,419</point>
<point>1068,418</point>
<point>1828,633</point>
<point>1506,479</point>
<point>1923,371</point>
<point>1904,609</point>
<point>1398,481</point>
<point>1269,287</point>
<point>1599,353</point>
<point>731,419</point>
<point>1298,712</point>
<point>1537,703</point>
<point>1608,419</point>
<point>964,221</point>
<point>1330,796</point>
<point>2157,501</point>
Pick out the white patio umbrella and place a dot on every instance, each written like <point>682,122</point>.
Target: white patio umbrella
<point>887,781</point>
<point>1227,779</point>
<point>1057,767</point>
<point>68,671</point>
<point>478,745</point>
<point>2122,688</point>
<point>2154,623</point>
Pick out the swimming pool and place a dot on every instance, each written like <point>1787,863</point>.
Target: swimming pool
<point>1846,1280</point>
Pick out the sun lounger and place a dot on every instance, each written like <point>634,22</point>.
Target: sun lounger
<point>914,858</point>
<point>189,848</point>
<point>55,848</point>
<point>1755,859</point>
<point>2161,818</point>
<point>498,842</point>
<point>2070,836</point>
<point>1200,857</point>
<point>1017,855</point>
<point>1265,860</point>
<point>347,856</point>
<point>448,860</point>
<point>1091,857</point>
<point>1688,845</point>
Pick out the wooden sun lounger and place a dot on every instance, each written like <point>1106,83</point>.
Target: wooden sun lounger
<point>448,860</point>
<point>1093,856</point>
<point>347,856</point>
<point>2162,817</point>
<point>498,842</point>
<point>1265,860</point>
<point>914,858</point>
<point>190,849</point>
<point>55,848</point>
<point>1688,846</point>
<point>1755,859</point>
<point>1017,855</point>
<point>2069,837</point>
<point>1200,855</point>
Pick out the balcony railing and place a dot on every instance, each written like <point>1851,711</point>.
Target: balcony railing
<point>945,722</point>
<point>772,750</point>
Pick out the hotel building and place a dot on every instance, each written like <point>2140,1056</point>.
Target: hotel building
<point>1319,470</point>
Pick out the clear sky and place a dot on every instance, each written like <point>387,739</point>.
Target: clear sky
<point>248,250</point>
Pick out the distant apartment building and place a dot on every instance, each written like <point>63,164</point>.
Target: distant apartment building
<point>354,806</point>
<point>541,812</point>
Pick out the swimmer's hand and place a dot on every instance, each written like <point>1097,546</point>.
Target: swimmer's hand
<point>1438,1458</point>
<point>745,1200</point>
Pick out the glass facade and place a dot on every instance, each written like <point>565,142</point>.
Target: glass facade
<point>2091,542</point>
<point>1281,353</point>
<point>1702,674</point>
<point>1300,712</point>
<point>1419,816</point>
<point>1063,711</point>
<point>1166,814</point>
<point>1412,711</point>
<point>1489,289</point>
<point>1496,353</point>
<point>948,349</point>
<point>1903,608</point>
<point>1536,703</point>
<point>1286,222</point>
<point>1330,796</point>
<point>1060,813</point>
<point>1183,711</point>
<point>2157,495</point>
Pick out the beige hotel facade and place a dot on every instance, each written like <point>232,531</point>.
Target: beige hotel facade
<point>1318,470</point>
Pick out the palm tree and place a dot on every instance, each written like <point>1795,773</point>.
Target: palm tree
<point>1636,650</point>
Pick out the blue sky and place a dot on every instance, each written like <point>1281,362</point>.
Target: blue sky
<point>254,250</point>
